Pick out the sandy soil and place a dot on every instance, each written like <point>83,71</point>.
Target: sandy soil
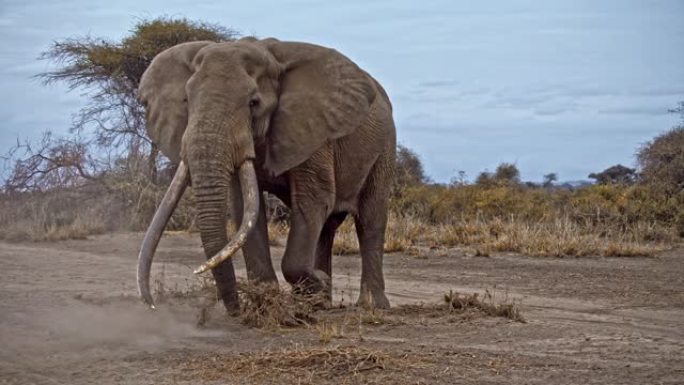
<point>69,315</point>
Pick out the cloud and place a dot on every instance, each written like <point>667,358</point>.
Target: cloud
<point>677,91</point>
<point>634,111</point>
<point>552,110</point>
<point>439,83</point>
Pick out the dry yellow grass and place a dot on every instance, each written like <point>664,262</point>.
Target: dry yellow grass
<point>277,233</point>
<point>303,365</point>
<point>34,221</point>
<point>401,234</point>
<point>599,220</point>
<point>346,241</point>
<point>558,238</point>
<point>327,331</point>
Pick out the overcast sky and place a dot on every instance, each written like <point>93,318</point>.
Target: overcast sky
<point>554,86</point>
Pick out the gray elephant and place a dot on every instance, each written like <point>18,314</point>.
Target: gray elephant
<point>298,120</point>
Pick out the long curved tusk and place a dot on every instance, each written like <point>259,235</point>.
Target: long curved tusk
<point>250,201</point>
<point>156,228</point>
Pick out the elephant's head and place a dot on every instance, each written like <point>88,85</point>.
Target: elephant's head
<point>209,104</point>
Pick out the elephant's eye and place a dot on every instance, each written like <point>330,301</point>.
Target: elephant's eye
<point>254,102</point>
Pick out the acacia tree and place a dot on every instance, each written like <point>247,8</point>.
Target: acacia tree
<point>51,162</point>
<point>661,161</point>
<point>549,179</point>
<point>617,174</point>
<point>409,170</point>
<point>506,174</point>
<point>108,73</point>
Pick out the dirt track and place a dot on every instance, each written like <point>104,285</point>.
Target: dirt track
<point>69,315</point>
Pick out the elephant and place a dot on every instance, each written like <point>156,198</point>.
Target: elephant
<point>298,120</point>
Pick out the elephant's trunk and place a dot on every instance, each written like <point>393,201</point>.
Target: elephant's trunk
<point>250,199</point>
<point>212,208</point>
<point>218,148</point>
<point>156,228</point>
<point>211,186</point>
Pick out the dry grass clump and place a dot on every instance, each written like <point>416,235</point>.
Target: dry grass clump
<point>262,305</point>
<point>465,306</point>
<point>324,362</point>
<point>462,302</point>
<point>265,305</point>
<point>342,322</point>
<point>327,331</point>
<point>303,365</point>
<point>350,322</point>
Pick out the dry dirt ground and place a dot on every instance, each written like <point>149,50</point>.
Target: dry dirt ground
<point>69,315</point>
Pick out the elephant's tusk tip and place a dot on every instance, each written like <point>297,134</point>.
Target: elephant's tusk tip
<point>150,304</point>
<point>200,269</point>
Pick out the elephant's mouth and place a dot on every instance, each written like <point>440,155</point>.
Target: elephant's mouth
<point>250,199</point>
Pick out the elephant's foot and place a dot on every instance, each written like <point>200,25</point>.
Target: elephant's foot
<point>323,281</point>
<point>372,298</point>
<point>227,293</point>
<point>324,288</point>
<point>310,282</point>
<point>232,308</point>
<point>318,284</point>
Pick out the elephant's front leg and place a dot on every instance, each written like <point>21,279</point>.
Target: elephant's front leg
<point>299,259</point>
<point>312,196</point>
<point>256,249</point>
<point>324,249</point>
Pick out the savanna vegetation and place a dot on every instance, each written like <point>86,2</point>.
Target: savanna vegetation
<point>107,176</point>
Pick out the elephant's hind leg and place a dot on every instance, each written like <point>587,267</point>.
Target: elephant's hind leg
<point>371,222</point>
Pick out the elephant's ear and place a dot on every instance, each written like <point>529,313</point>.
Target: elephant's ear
<point>162,92</point>
<point>323,96</point>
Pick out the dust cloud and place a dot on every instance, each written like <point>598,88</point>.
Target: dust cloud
<point>81,325</point>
